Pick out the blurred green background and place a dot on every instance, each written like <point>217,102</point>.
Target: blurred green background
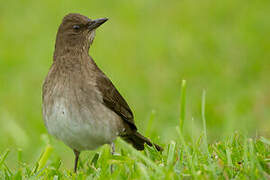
<point>146,48</point>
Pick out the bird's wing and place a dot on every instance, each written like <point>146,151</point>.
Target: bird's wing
<point>114,101</point>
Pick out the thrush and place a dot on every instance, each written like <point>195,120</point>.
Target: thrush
<point>81,106</point>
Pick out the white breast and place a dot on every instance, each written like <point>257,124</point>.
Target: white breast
<point>81,129</point>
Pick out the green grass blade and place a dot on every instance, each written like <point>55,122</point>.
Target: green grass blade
<point>187,151</point>
<point>265,141</point>
<point>204,121</point>
<point>45,156</point>
<point>150,123</point>
<point>171,151</point>
<point>182,105</point>
<point>4,156</point>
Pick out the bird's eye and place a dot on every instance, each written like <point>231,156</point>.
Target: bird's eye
<point>76,27</point>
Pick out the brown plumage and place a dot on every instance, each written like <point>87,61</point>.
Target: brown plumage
<point>81,106</point>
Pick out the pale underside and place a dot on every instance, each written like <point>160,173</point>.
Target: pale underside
<point>80,127</point>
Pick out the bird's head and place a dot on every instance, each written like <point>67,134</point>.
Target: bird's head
<point>77,31</point>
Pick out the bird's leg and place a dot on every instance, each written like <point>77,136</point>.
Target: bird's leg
<point>77,154</point>
<point>112,152</point>
<point>112,148</point>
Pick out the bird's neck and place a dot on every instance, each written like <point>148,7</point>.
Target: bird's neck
<point>70,52</point>
<point>70,60</point>
<point>70,48</point>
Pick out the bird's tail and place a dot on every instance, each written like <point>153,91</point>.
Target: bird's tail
<point>137,140</point>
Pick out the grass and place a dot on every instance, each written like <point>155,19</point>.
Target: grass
<point>236,157</point>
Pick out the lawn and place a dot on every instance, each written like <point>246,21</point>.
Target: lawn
<point>147,48</point>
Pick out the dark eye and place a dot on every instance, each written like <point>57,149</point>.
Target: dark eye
<point>76,27</point>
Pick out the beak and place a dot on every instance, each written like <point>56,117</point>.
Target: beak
<point>96,23</point>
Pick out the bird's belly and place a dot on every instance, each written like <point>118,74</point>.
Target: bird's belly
<point>81,128</point>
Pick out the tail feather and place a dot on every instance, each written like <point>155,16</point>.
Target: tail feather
<point>137,140</point>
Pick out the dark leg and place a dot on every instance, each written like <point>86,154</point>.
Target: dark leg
<point>112,148</point>
<point>77,154</point>
<point>112,152</point>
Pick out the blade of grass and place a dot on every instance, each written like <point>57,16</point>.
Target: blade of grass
<point>95,159</point>
<point>140,156</point>
<point>143,171</point>
<point>212,164</point>
<point>44,157</point>
<point>204,121</point>
<point>187,151</point>
<point>229,159</point>
<point>4,156</point>
<point>182,105</point>
<point>265,141</point>
<point>19,155</point>
<point>171,151</point>
<point>255,165</point>
<point>150,122</point>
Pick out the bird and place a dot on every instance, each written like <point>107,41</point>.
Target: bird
<point>80,105</point>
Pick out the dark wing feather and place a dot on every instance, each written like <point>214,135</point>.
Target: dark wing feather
<point>114,101</point>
